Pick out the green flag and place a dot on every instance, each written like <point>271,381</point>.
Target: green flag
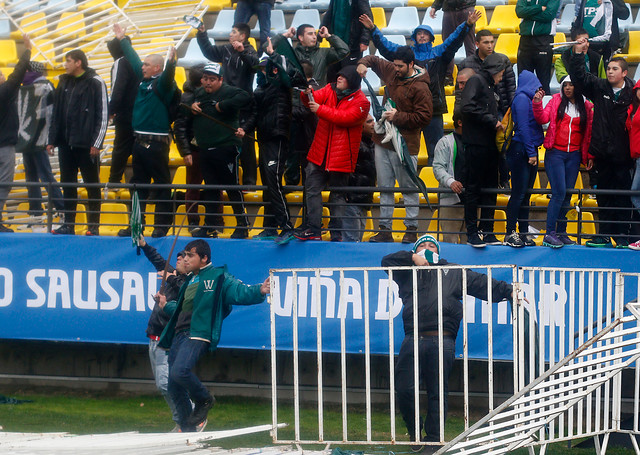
<point>135,219</point>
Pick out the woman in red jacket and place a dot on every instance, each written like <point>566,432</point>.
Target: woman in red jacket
<point>341,108</point>
<point>633,127</point>
<point>570,118</point>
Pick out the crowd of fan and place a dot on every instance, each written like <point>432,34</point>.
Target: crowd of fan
<point>313,125</point>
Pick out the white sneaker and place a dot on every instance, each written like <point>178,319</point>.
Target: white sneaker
<point>635,246</point>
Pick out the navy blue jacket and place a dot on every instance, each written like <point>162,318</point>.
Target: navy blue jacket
<point>526,130</point>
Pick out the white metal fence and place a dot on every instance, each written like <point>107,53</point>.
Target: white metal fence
<point>355,313</point>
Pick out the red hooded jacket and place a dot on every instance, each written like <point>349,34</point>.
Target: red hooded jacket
<point>337,139</point>
<point>633,125</point>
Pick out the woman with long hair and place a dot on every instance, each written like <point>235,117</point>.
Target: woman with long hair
<point>570,118</point>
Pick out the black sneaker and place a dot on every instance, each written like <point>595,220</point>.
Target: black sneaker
<point>307,234</point>
<point>564,238</point>
<point>65,229</point>
<point>475,241</point>
<point>527,240</point>
<point>267,234</point>
<point>599,242</point>
<point>491,239</point>
<point>285,237</point>
<point>622,243</point>
<point>126,232</point>
<point>240,233</point>
<point>201,233</point>
<point>513,240</point>
<point>200,411</point>
<point>3,228</point>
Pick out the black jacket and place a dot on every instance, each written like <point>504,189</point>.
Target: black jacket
<point>237,67</point>
<point>357,33</point>
<point>364,174</point>
<point>428,293</point>
<point>158,319</point>
<point>453,5</point>
<point>182,126</point>
<point>9,121</point>
<point>479,109</point>
<point>506,88</point>
<point>80,111</point>
<point>124,85</point>
<point>609,138</point>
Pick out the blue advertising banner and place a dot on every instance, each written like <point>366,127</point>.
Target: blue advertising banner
<point>90,289</point>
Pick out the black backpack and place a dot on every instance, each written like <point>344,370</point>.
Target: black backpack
<point>174,105</point>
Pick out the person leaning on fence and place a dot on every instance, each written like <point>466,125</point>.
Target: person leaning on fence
<point>158,320</point>
<point>407,85</point>
<point>426,253</point>
<point>151,127</point>
<point>203,302</point>
<point>78,128</point>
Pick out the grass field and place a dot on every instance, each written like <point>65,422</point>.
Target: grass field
<point>96,413</point>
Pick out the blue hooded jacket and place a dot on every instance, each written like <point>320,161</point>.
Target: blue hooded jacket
<point>526,130</point>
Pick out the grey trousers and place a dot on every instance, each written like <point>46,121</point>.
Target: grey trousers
<point>7,169</point>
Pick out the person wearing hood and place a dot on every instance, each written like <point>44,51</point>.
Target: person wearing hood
<point>9,124</point>
<point>609,147</point>
<point>35,103</point>
<point>425,254</point>
<point>78,128</point>
<point>308,48</point>
<point>633,127</point>
<point>536,35</point>
<point>480,119</point>
<point>341,108</point>
<point>436,60</point>
<point>570,118</point>
<point>407,85</point>
<point>522,159</point>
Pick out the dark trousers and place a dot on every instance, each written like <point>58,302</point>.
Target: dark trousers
<point>71,159</point>
<point>481,172</point>
<point>192,196</point>
<point>450,21</point>
<point>122,150</point>
<point>433,132</point>
<point>248,160</point>
<point>614,210</point>
<point>535,55</point>
<point>317,180</point>
<point>429,376</point>
<point>219,166</point>
<point>523,176</point>
<point>273,154</point>
<point>184,385</point>
<point>151,161</point>
<point>37,168</point>
<point>562,171</point>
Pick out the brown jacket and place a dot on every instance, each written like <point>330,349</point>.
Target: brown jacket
<point>412,97</point>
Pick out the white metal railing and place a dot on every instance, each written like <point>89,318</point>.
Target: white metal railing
<point>558,310</point>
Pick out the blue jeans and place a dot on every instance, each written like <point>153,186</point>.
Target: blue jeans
<point>184,385</point>
<point>523,175</point>
<point>562,171</point>
<point>246,9</point>
<point>37,168</point>
<point>159,359</point>
<point>429,377</point>
<point>353,223</point>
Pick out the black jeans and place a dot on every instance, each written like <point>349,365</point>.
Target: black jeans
<point>535,54</point>
<point>317,180</point>
<point>219,166</point>
<point>481,172</point>
<point>151,161</point>
<point>614,210</point>
<point>71,159</point>
<point>273,154</point>
<point>429,376</point>
<point>122,150</point>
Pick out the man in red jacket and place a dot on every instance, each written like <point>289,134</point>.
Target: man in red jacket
<point>341,108</point>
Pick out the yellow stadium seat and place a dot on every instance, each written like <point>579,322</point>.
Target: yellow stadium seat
<point>423,153</point>
<point>587,226</point>
<point>252,41</point>
<point>92,6</point>
<point>181,76</point>
<point>504,20</point>
<point>633,53</point>
<point>429,179</point>
<point>33,23</point>
<point>113,217</point>
<point>180,220</point>
<point>483,22</point>
<point>500,224</point>
<point>379,17</point>
<point>507,44</point>
<point>397,224</point>
<point>368,228</point>
<point>217,5</point>
<point>70,26</point>
<point>420,3</point>
<point>8,52</point>
<point>81,219</point>
<point>447,117</point>
<point>180,176</point>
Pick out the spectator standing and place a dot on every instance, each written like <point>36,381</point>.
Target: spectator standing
<point>35,103</point>
<point>358,202</point>
<point>408,86</point>
<point>594,63</point>
<point>522,158</point>
<point>9,125</point>
<point>124,87</point>
<point>245,9</point>
<point>78,127</point>
<point>609,144</point>
<point>435,59</point>
<point>599,18</point>
<point>448,169</point>
<point>239,61</point>
<point>308,49</point>
<point>570,118</point>
<point>151,127</point>
<point>424,254</point>
<point>219,142</point>
<point>341,108</point>
<point>463,76</point>
<point>195,326</point>
<point>480,119</point>
<point>536,35</point>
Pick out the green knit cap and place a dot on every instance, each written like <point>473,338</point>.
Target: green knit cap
<point>426,238</point>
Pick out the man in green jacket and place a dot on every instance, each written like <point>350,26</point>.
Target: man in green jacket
<point>536,35</point>
<point>151,128</point>
<point>195,325</point>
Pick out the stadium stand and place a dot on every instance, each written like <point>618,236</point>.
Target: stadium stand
<point>403,21</point>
